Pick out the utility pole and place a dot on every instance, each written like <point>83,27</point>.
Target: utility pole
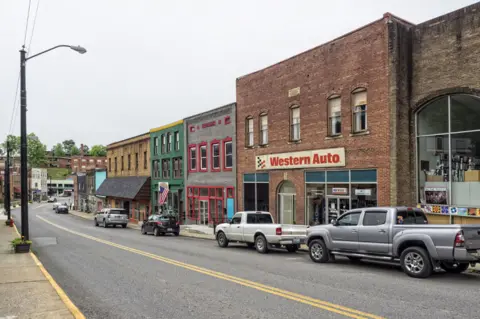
<point>23,145</point>
<point>7,183</point>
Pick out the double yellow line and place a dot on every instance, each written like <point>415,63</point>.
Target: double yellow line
<point>345,311</point>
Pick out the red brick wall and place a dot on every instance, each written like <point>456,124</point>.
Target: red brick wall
<point>358,59</point>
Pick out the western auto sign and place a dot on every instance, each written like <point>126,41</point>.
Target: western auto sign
<point>333,157</point>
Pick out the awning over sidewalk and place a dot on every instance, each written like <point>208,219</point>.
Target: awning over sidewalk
<point>128,187</point>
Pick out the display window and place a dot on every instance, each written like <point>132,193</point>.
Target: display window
<point>206,205</point>
<point>448,154</point>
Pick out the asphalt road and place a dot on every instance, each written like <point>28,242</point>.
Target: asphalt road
<point>119,273</point>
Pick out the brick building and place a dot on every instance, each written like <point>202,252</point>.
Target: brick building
<point>128,177</point>
<point>335,127</point>
<point>210,165</point>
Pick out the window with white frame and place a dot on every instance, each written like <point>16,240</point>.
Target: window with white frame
<point>249,132</point>
<point>203,157</point>
<point>359,100</point>
<point>295,124</point>
<point>228,155</point>
<point>165,168</point>
<point>263,129</point>
<point>169,142</point>
<point>192,158</point>
<point>176,141</point>
<point>216,156</point>
<point>334,116</point>
<point>163,143</point>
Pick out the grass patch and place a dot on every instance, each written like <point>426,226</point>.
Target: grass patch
<point>57,173</point>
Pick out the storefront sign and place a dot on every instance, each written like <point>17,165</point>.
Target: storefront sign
<point>194,128</point>
<point>436,195</point>
<point>339,191</point>
<point>334,157</point>
<point>363,192</point>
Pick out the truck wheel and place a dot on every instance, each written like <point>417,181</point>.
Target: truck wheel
<point>292,248</point>
<point>318,251</point>
<point>156,232</point>
<point>96,223</point>
<point>416,263</point>
<point>222,239</point>
<point>105,224</point>
<point>261,244</point>
<point>143,230</point>
<point>454,268</point>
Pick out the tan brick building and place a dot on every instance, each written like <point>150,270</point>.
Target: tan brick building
<point>335,127</point>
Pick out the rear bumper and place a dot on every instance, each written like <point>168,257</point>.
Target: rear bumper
<point>165,229</point>
<point>461,254</point>
<point>292,240</point>
<point>117,222</point>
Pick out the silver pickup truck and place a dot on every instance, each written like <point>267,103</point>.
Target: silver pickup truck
<point>396,234</point>
<point>257,229</point>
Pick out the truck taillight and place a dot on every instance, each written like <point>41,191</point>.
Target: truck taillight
<point>177,223</point>
<point>459,240</point>
<point>278,231</point>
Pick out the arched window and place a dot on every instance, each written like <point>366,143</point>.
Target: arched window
<point>287,202</point>
<point>448,153</point>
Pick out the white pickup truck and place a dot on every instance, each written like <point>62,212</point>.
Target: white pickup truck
<point>257,229</point>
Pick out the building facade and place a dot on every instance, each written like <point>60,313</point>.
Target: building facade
<point>167,149</point>
<point>128,177</point>
<point>210,166</point>
<point>38,185</point>
<point>385,115</point>
<point>59,186</point>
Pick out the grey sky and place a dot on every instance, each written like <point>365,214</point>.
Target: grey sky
<point>152,62</point>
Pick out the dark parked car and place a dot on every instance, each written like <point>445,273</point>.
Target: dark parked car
<point>61,209</point>
<point>161,225</point>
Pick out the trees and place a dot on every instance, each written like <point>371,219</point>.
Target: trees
<point>74,150</point>
<point>98,150</point>
<point>86,149</point>
<point>36,151</point>
<point>67,146</point>
<point>58,150</point>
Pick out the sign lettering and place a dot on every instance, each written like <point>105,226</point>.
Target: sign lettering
<point>334,157</point>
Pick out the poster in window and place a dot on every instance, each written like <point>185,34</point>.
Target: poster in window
<point>436,195</point>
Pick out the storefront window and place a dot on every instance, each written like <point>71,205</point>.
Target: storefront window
<point>256,192</point>
<point>364,195</point>
<point>449,157</point>
<point>315,210</point>
<point>207,208</point>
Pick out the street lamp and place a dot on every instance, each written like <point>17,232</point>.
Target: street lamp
<point>23,130</point>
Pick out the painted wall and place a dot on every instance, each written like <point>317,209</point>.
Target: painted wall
<point>100,176</point>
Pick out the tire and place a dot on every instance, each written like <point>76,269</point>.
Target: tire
<point>292,248</point>
<point>318,251</point>
<point>176,233</point>
<point>124,226</point>
<point>416,263</point>
<point>454,268</point>
<point>354,259</point>
<point>105,224</point>
<point>143,231</point>
<point>96,223</point>
<point>261,244</point>
<point>250,245</point>
<point>156,232</point>
<point>222,239</point>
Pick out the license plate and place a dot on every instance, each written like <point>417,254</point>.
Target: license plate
<point>296,241</point>
<point>169,229</point>
<point>476,254</point>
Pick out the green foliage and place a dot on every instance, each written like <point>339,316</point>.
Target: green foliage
<point>18,241</point>
<point>86,149</point>
<point>98,150</point>
<point>67,146</point>
<point>14,143</point>
<point>36,151</point>
<point>74,150</point>
<point>57,173</point>
<point>58,150</point>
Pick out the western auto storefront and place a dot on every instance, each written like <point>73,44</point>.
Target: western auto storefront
<point>308,187</point>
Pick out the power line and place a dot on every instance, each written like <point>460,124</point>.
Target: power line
<point>26,23</point>
<point>14,109</point>
<point>33,27</point>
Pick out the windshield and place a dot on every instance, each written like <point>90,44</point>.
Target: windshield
<point>118,211</point>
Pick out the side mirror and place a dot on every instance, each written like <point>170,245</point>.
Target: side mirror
<point>333,222</point>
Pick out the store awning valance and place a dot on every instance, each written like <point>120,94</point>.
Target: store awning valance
<point>128,187</point>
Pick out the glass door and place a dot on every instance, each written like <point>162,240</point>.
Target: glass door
<point>337,206</point>
<point>287,208</point>
<point>204,212</point>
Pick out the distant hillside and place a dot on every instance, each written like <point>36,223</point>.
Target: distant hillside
<point>58,173</point>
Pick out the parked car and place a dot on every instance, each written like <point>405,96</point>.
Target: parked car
<point>111,216</point>
<point>51,199</point>
<point>257,229</point>
<point>396,234</point>
<point>55,205</point>
<point>61,209</point>
<point>161,225</point>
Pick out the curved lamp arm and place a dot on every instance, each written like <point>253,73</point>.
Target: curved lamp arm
<point>78,48</point>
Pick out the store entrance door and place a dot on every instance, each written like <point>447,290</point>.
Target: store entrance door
<point>286,202</point>
<point>204,212</point>
<point>336,207</point>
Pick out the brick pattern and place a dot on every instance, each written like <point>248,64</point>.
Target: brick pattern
<point>358,59</point>
<point>139,144</point>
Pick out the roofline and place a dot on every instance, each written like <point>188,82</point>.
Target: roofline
<point>164,127</point>
<point>314,48</point>
<point>391,15</point>
<point>127,139</point>
<point>461,11</point>
<point>211,111</point>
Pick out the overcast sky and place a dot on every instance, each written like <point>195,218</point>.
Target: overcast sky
<point>153,62</point>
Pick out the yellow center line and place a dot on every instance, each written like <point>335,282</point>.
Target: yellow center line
<point>345,311</point>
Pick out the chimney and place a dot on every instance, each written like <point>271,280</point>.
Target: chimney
<point>81,149</point>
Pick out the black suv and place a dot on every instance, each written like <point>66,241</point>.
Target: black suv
<point>161,225</point>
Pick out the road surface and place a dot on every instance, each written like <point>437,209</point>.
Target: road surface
<point>119,273</point>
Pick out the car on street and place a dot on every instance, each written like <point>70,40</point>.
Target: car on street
<point>160,225</point>
<point>61,209</point>
<point>258,230</point>
<point>398,234</point>
<point>111,217</point>
<point>51,199</point>
<point>55,205</point>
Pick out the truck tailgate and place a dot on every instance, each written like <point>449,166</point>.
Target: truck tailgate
<point>294,230</point>
<point>472,237</point>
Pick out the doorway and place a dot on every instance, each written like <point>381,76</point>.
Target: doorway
<point>204,212</point>
<point>126,206</point>
<point>287,202</point>
<point>336,207</point>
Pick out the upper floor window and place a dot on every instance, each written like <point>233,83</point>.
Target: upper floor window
<point>295,124</point>
<point>155,168</point>
<point>215,154</point>
<point>163,143</point>
<point>136,160</point>
<point>129,163</point>
<point>334,116</point>
<point>249,132</point>
<point>115,164</point>
<point>169,142</point>
<point>203,157</point>
<point>263,129</point>
<point>359,100</point>
<point>155,145</point>
<point>177,167</point>
<point>109,164</point>
<point>122,163</point>
<point>227,154</point>
<point>176,140</point>
<point>192,158</point>
<point>165,168</point>
<point>145,159</point>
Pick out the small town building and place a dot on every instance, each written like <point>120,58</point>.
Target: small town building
<point>128,177</point>
<point>167,149</point>
<point>58,187</point>
<point>386,115</point>
<point>38,186</point>
<point>210,166</point>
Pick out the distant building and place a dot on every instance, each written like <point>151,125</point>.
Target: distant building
<point>38,183</point>
<point>59,186</point>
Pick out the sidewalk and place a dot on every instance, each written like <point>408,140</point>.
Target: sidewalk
<point>27,290</point>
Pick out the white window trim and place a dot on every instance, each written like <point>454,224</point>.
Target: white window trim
<point>203,147</point>
<point>225,154</point>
